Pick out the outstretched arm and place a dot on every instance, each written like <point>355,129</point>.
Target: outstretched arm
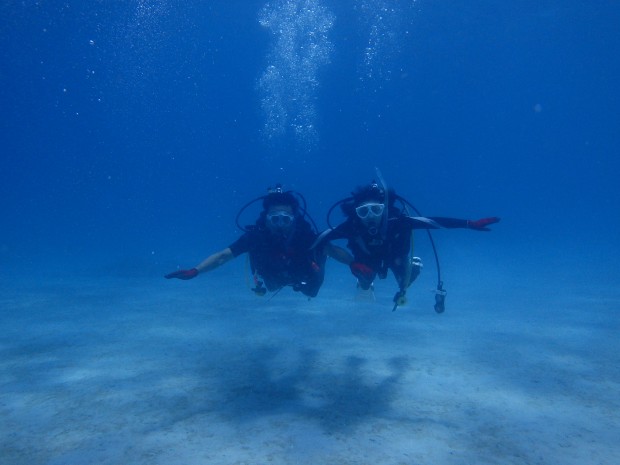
<point>208,264</point>
<point>481,224</point>
<point>215,260</point>
<point>436,222</point>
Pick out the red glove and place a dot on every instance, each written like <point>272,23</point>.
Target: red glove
<point>183,274</point>
<point>481,225</point>
<point>362,272</point>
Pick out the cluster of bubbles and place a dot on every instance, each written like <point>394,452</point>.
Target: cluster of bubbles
<point>289,84</point>
<point>381,21</point>
<point>139,40</point>
<point>145,29</point>
<point>301,45</point>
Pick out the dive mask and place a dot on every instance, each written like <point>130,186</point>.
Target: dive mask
<point>280,219</point>
<point>369,210</point>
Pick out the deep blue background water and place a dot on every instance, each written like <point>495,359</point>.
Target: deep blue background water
<point>132,132</point>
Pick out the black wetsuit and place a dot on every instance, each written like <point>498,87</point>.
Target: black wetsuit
<point>283,261</point>
<point>389,252</point>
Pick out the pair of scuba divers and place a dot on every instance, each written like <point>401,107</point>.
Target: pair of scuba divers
<point>285,248</point>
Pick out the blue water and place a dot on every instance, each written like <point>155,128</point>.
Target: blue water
<point>135,127</point>
<point>132,132</point>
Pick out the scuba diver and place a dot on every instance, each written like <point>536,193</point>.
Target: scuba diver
<point>380,234</point>
<point>278,245</point>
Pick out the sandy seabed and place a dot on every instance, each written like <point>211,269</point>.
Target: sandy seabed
<point>147,371</point>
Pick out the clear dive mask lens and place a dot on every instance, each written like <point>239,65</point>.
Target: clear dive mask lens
<point>280,219</point>
<point>369,209</point>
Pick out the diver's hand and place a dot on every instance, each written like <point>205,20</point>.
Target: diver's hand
<point>362,272</point>
<point>183,274</point>
<point>481,225</point>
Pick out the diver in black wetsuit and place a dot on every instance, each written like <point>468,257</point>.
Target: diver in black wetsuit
<point>379,236</point>
<point>279,247</point>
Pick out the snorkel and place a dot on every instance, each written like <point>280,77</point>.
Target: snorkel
<point>400,296</point>
<point>386,201</point>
